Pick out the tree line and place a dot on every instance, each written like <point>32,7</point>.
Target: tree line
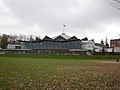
<point>5,39</point>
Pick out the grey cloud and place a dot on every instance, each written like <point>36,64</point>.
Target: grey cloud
<point>79,16</point>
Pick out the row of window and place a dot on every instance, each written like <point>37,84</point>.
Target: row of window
<point>40,45</point>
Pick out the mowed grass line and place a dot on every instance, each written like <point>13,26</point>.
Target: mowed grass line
<point>82,57</point>
<point>18,72</point>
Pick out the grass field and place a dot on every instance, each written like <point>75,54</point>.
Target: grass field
<point>58,72</point>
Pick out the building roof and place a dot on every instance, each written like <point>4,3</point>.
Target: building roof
<point>47,38</point>
<point>85,39</point>
<point>37,39</point>
<point>60,38</point>
<point>63,35</point>
<point>115,40</point>
<point>73,38</point>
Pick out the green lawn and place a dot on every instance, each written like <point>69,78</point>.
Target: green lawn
<point>58,72</point>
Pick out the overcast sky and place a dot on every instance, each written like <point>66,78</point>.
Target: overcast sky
<point>95,19</point>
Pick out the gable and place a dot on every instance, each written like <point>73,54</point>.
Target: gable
<point>59,38</point>
<point>37,39</point>
<point>84,39</point>
<point>73,38</point>
<point>47,38</point>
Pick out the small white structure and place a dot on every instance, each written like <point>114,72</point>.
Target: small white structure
<point>98,48</point>
<point>108,49</point>
<point>88,45</point>
<point>116,49</point>
<point>15,46</point>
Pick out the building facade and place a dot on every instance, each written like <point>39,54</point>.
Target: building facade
<point>59,42</point>
<point>88,45</point>
<point>115,43</point>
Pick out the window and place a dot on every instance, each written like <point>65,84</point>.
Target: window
<point>17,47</point>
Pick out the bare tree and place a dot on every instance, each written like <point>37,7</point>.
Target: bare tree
<point>20,37</point>
<point>115,3</point>
<point>12,38</point>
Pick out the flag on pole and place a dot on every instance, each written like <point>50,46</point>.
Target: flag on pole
<point>64,25</point>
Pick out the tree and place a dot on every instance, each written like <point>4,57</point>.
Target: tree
<point>106,43</point>
<point>115,3</point>
<point>4,41</point>
<point>102,42</point>
<point>13,38</point>
<point>0,41</point>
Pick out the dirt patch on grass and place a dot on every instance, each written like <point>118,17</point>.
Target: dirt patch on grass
<point>110,62</point>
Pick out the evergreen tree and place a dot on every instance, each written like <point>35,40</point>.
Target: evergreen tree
<point>106,43</point>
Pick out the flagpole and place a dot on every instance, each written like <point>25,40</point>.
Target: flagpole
<point>64,28</point>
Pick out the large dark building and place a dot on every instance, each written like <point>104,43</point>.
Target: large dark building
<point>59,42</point>
<point>62,44</point>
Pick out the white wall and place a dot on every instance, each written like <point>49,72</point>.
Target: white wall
<point>116,49</point>
<point>108,49</point>
<point>12,46</point>
<point>88,45</point>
